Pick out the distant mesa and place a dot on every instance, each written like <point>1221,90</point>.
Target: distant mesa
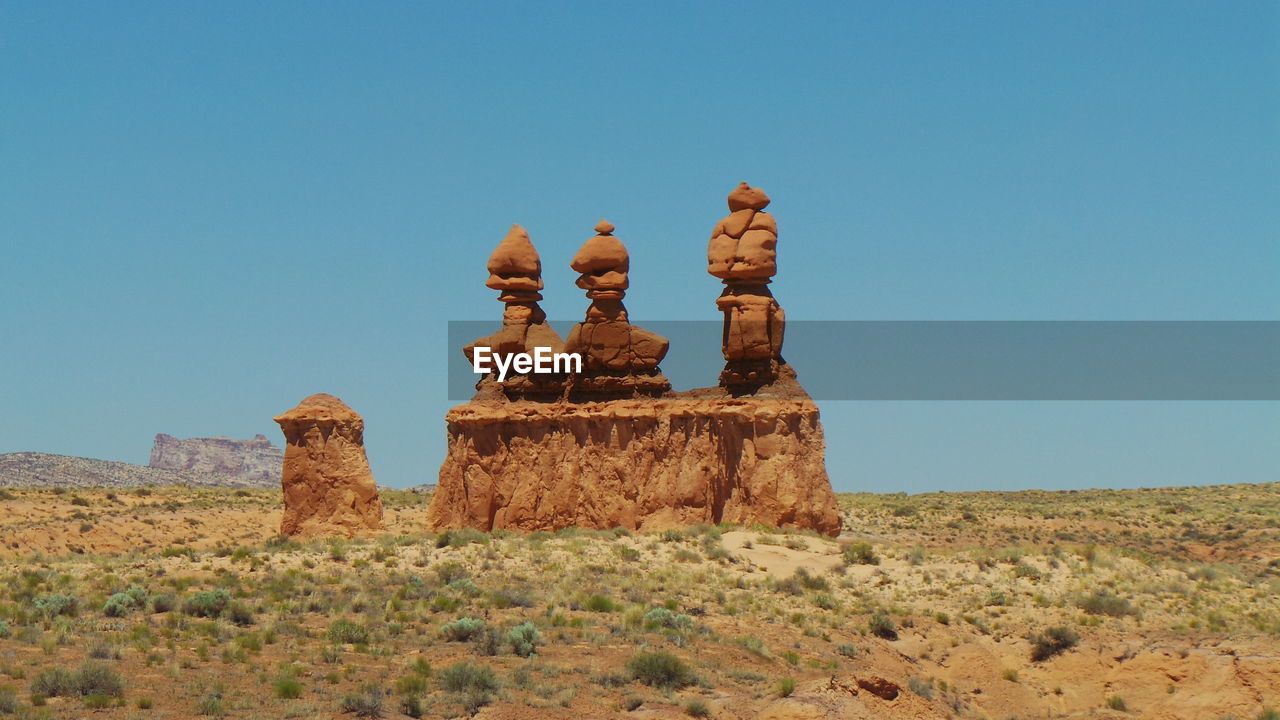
<point>33,469</point>
<point>328,486</point>
<point>255,460</point>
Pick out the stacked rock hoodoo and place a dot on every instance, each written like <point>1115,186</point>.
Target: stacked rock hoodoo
<point>742,253</point>
<point>515,271</point>
<point>618,448</point>
<point>618,358</point>
<point>328,486</point>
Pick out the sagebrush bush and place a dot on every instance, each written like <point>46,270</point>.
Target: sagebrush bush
<point>660,669</point>
<point>524,639</point>
<point>1054,641</point>
<point>462,629</point>
<point>90,679</point>
<point>52,605</point>
<point>660,617</point>
<point>164,603</point>
<point>465,677</point>
<point>882,626</point>
<point>1105,603</point>
<point>367,703</point>
<point>859,553</point>
<point>207,603</point>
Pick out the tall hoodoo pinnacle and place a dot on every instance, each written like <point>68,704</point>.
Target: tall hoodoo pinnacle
<point>618,358</point>
<point>515,271</point>
<point>742,253</point>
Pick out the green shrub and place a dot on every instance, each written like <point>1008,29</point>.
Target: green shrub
<point>143,703</point>
<point>54,682</point>
<point>461,538</point>
<point>207,603</point>
<point>367,703</point>
<point>859,553</point>
<point>240,614</point>
<point>8,700</point>
<point>882,626</point>
<point>164,603</point>
<point>848,650</point>
<point>697,708</point>
<point>343,631</point>
<point>462,629</point>
<point>411,684</point>
<point>1105,603</point>
<point>599,603</point>
<point>98,702</point>
<point>288,689</point>
<point>660,669</point>
<point>1115,702</point>
<point>5,631</point>
<point>210,705</point>
<point>922,687</point>
<point>1054,641</point>
<point>465,677</point>
<point>660,617</point>
<point>786,686</point>
<point>52,605</point>
<point>118,605</point>
<point>90,679</point>
<point>524,639</point>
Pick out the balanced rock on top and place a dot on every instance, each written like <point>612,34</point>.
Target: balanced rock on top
<point>515,271</point>
<point>742,253</point>
<point>618,358</point>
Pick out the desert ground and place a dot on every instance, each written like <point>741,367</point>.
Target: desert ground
<point>178,603</point>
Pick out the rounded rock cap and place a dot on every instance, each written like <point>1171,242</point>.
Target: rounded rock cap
<point>602,252</point>
<point>744,196</point>
<point>319,407</point>
<point>515,255</point>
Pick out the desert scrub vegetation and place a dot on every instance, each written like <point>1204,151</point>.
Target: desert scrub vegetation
<point>584,619</point>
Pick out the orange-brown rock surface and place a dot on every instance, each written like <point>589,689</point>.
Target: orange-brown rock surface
<point>618,358</point>
<point>515,270</point>
<point>618,448</point>
<point>641,463</point>
<point>742,253</point>
<point>328,486</point>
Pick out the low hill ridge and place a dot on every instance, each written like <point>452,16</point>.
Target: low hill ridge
<point>35,469</point>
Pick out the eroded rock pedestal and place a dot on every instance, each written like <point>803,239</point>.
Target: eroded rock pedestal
<point>618,448</point>
<point>703,456</point>
<point>328,486</point>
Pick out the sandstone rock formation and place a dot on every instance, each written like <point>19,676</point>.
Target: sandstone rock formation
<point>515,270</point>
<point>742,254</point>
<point>328,487</point>
<point>618,358</point>
<point>256,461</point>
<point>619,448</point>
<point>641,463</point>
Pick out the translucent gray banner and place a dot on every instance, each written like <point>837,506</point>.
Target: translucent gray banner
<point>976,360</point>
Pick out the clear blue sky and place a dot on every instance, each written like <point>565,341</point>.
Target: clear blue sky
<point>211,210</point>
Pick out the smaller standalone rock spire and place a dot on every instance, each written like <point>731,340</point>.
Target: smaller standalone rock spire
<point>618,358</point>
<point>742,254</point>
<point>515,271</point>
<point>328,486</point>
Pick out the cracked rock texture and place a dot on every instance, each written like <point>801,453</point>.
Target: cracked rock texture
<point>328,486</point>
<point>703,456</point>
